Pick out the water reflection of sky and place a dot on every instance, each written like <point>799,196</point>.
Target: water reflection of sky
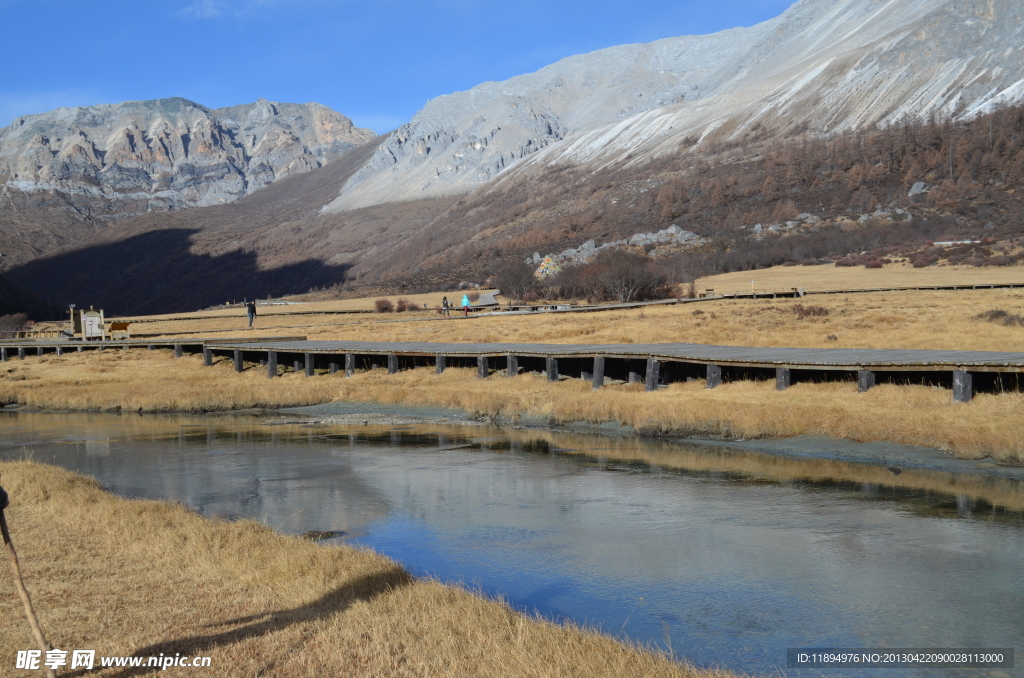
<point>719,569</point>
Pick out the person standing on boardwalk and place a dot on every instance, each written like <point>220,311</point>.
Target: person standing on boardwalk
<point>465,304</point>
<point>446,308</point>
<point>250,309</point>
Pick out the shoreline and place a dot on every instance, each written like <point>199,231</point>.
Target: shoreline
<point>259,602</point>
<point>804,446</point>
<point>873,453</point>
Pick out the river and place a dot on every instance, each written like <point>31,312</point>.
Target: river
<point>720,557</point>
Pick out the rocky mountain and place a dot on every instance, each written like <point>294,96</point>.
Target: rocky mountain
<point>169,154</point>
<point>823,66</point>
<point>682,144</point>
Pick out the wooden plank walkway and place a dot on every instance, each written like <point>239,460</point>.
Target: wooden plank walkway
<point>663,363</point>
<point>795,358</point>
<point>650,364</point>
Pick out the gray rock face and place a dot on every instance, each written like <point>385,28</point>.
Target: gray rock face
<point>834,65</point>
<point>171,153</point>
<point>461,140</point>
<point>822,66</point>
<point>668,241</point>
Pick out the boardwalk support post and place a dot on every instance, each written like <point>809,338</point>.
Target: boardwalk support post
<point>598,377</point>
<point>80,349</point>
<point>865,380</point>
<point>552,368</point>
<point>513,365</point>
<point>482,368</point>
<point>21,353</point>
<point>177,350</point>
<point>297,365</point>
<point>350,365</point>
<point>3,355</point>
<point>440,362</point>
<point>963,386</point>
<point>634,377</point>
<point>310,365</point>
<point>150,347</point>
<point>651,377</point>
<point>238,360</point>
<point>60,351</point>
<point>332,368</point>
<point>392,363</point>
<point>39,351</point>
<point>271,364</point>
<point>207,356</point>
<point>783,378</point>
<point>714,377</point>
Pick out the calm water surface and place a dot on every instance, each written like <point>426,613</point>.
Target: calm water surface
<point>723,558</point>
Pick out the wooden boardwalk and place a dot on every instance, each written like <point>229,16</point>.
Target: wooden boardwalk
<point>797,358</point>
<point>651,364</point>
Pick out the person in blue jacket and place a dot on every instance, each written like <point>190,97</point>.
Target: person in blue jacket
<point>465,304</point>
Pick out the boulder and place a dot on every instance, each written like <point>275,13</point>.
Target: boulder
<point>918,188</point>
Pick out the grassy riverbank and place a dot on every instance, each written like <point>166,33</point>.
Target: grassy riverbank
<point>152,381</point>
<point>135,577</point>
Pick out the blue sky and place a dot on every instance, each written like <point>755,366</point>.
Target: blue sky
<point>376,61</point>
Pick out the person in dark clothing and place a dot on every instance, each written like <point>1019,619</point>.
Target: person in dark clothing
<point>250,309</point>
<point>446,308</point>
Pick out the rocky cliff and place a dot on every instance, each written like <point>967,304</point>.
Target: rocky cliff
<point>822,66</point>
<point>462,140</point>
<point>170,153</point>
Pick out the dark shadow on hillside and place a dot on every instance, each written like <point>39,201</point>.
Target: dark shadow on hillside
<point>156,272</point>
<point>13,300</point>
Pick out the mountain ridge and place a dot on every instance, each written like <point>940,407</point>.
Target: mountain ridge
<point>823,66</point>
<point>170,153</point>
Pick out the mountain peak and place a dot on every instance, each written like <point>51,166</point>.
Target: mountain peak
<point>171,153</point>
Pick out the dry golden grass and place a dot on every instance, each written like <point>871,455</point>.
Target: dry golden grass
<point>830,277</point>
<point>266,325</point>
<point>916,319</point>
<point>153,381</point>
<point>924,320</point>
<point>148,381</point>
<point>140,577</point>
